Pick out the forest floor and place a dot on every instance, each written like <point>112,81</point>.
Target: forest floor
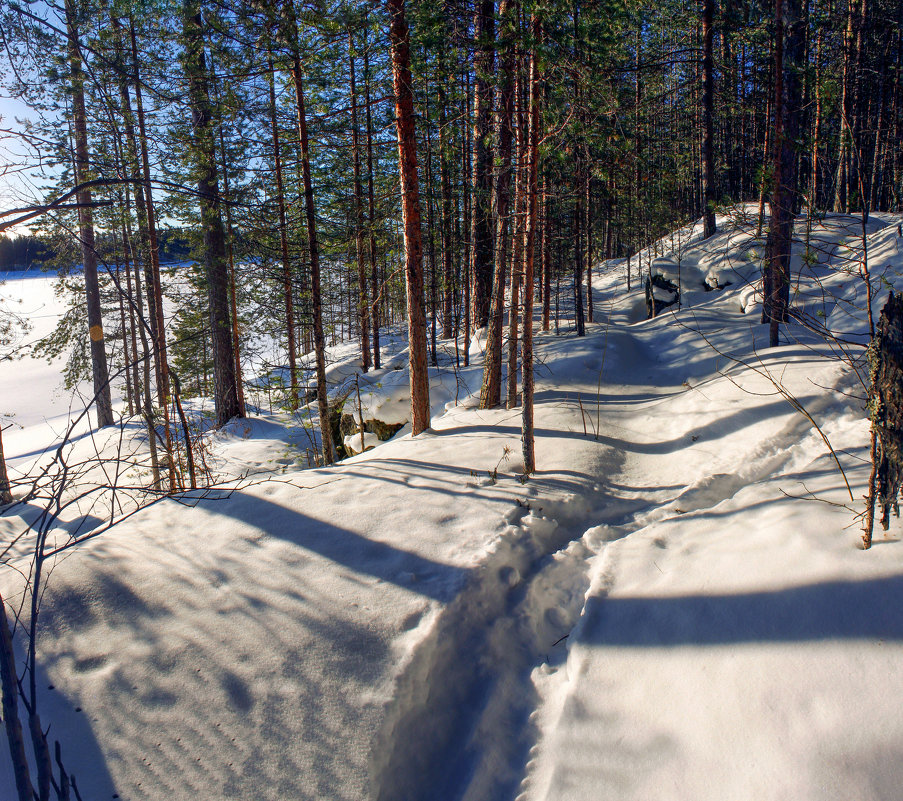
<point>675,606</point>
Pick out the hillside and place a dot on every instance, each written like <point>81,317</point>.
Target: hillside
<point>675,606</point>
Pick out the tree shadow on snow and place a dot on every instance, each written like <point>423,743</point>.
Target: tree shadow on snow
<point>71,725</point>
<point>386,562</point>
<point>832,610</point>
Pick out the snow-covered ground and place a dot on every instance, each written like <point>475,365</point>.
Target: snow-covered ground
<point>675,606</point>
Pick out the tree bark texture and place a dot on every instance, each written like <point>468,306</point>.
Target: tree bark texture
<point>788,60</point>
<point>362,302</point>
<point>410,193</point>
<point>527,427</point>
<point>310,216</point>
<point>490,392</point>
<point>371,216</point>
<point>99,367</point>
<point>481,198</point>
<point>708,135</point>
<point>287,284</point>
<point>225,392</point>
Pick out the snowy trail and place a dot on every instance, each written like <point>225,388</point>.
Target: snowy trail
<point>733,642</point>
<point>476,720</point>
<point>461,715</point>
<point>466,705</point>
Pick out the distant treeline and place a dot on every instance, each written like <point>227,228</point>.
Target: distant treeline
<point>31,252</point>
<point>23,252</point>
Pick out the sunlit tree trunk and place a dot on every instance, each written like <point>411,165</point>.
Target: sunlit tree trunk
<point>490,392</point>
<point>788,59</point>
<point>363,306</point>
<point>99,367</point>
<point>445,157</point>
<point>517,238</point>
<point>153,351</point>
<point>314,251</point>
<point>708,135</point>
<point>225,393</point>
<point>371,216</point>
<point>481,198</point>
<point>287,284</point>
<point>545,250</point>
<point>527,428</point>
<point>410,193</point>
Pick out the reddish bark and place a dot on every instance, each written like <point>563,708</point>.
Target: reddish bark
<point>410,193</point>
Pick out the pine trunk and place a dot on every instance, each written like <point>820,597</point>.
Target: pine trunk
<point>410,193</point>
<point>225,393</point>
<point>527,427</point>
<point>788,58</point>
<point>481,198</point>
<point>371,216</point>
<point>287,284</point>
<point>445,158</point>
<point>491,390</point>
<point>363,307</point>
<point>517,237</point>
<point>99,367</point>
<point>708,136</point>
<point>310,215</point>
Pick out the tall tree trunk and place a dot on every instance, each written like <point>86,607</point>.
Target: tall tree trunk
<point>155,351</point>
<point>579,167</point>
<point>816,124</point>
<point>636,201</point>
<point>410,193</point>
<point>288,290</point>
<point>134,320</point>
<point>431,234</point>
<point>445,158</point>
<point>481,199</point>
<point>225,393</point>
<point>517,238</point>
<point>842,184</point>
<point>363,306</point>
<point>588,228</point>
<point>127,358</point>
<point>467,278</point>
<point>788,61</point>
<point>578,250</point>
<point>708,136</point>
<point>99,368</point>
<point>545,251</point>
<point>527,428</point>
<point>371,215</point>
<point>491,390</point>
<point>233,291</point>
<point>314,251</point>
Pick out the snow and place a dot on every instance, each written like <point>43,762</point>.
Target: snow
<point>675,607</point>
<point>352,442</point>
<point>31,390</point>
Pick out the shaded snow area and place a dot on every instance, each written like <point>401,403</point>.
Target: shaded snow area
<point>676,606</point>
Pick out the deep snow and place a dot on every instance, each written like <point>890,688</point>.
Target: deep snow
<point>674,607</point>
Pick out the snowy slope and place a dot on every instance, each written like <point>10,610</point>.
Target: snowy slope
<point>734,643</point>
<point>653,615</point>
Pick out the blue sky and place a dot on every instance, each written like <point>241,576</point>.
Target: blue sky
<point>17,188</point>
